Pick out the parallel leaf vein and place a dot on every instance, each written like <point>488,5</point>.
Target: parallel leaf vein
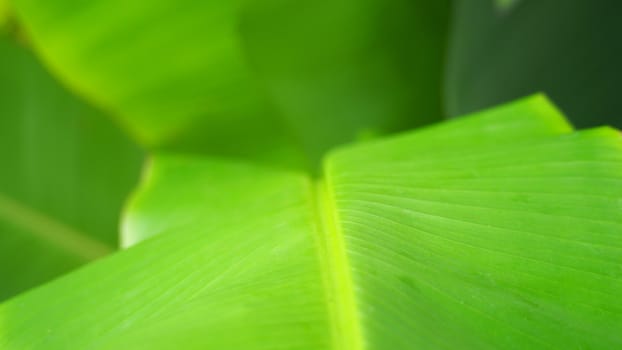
<point>340,296</point>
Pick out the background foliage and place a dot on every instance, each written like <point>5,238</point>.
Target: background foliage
<point>252,209</point>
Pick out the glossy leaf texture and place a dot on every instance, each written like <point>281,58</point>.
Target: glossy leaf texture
<point>186,74</point>
<point>499,52</point>
<point>497,230</point>
<point>65,173</point>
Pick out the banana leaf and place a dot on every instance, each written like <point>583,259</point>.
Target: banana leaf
<point>4,14</point>
<point>497,230</point>
<point>184,75</point>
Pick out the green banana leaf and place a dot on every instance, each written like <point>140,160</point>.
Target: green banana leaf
<point>185,74</point>
<point>4,14</point>
<point>65,174</point>
<point>341,71</point>
<point>502,50</point>
<point>495,231</point>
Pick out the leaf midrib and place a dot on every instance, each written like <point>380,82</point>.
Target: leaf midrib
<point>51,230</point>
<point>336,272</point>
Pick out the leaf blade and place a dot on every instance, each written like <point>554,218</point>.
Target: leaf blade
<point>322,81</point>
<point>245,271</point>
<point>474,244</point>
<point>487,271</point>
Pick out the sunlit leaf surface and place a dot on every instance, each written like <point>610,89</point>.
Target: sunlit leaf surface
<point>495,231</point>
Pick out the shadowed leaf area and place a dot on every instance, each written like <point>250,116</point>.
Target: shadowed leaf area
<point>65,173</point>
<point>570,51</point>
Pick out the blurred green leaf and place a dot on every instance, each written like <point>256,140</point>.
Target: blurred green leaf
<point>172,72</point>
<point>340,69</point>
<point>186,75</point>
<point>4,14</point>
<point>496,231</point>
<point>66,171</point>
<point>570,50</point>
<point>506,5</point>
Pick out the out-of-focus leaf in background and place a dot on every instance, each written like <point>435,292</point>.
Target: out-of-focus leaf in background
<point>173,72</point>
<point>168,69</point>
<point>339,70</point>
<point>65,173</point>
<point>4,14</point>
<point>570,50</point>
<point>505,236</point>
<point>237,78</point>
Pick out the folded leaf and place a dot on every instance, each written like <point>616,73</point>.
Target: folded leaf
<point>186,74</point>
<point>530,118</point>
<point>66,172</point>
<point>570,51</point>
<point>250,270</point>
<point>506,237</point>
<point>347,70</point>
